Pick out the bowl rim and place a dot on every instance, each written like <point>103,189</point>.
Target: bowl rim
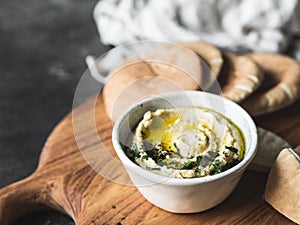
<point>156,178</point>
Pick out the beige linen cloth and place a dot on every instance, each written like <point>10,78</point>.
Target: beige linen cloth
<point>260,25</point>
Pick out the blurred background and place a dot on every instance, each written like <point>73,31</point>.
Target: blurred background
<point>43,45</point>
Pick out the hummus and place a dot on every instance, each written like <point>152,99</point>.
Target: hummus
<point>186,142</point>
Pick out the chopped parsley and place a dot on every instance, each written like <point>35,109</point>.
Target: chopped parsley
<point>198,159</point>
<point>217,168</point>
<point>145,157</point>
<point>188,165</point>
<point>135,151</point>
<point>231,164</point>
<point>176,146</point>
<point>157,154</point>
<point>113,206</point>
<point>196,170</point>
<point>232,149</point>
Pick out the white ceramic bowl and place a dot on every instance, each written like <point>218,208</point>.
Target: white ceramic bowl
<point>184,195</point>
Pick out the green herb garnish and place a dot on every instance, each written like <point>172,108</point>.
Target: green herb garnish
<point>196,170</point>
<point>145,157</point>
<point>217,168</point>
<point>157,154</point>
<point>198,159</point>
<point>135,151</point>
<point>232,149</point>
<point>188,165</point>
<point>231,164</point>
<point>113,206</point>
<point>176,146</point>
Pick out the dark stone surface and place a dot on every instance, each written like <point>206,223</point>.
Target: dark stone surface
<point>42,49</point>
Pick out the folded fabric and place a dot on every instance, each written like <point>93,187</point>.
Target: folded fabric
<point>234,24</point>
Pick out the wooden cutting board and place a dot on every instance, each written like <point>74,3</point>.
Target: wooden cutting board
<point>65,182</point>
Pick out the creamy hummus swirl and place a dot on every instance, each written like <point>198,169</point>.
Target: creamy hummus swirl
<point>186,142</point>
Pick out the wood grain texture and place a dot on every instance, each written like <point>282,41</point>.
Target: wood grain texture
<point>65,182</point>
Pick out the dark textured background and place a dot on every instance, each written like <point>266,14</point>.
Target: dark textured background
<point>42,49</point>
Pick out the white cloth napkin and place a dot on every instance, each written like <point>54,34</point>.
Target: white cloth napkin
<point>260,25</point>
